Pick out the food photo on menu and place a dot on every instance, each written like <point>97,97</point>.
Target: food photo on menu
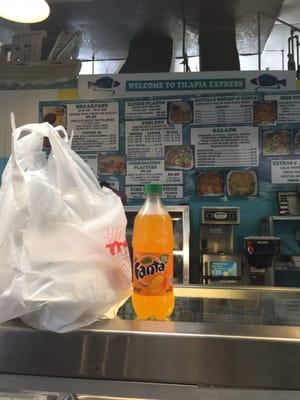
<point>114,164</point>
<point>276,142</point>
<point>265,113</point>
<point>179,157</point>
<point>55,115</point>
<point>210,183</point>
<point>242,183</point>
<point>297,141</point>
<point>180,112</point>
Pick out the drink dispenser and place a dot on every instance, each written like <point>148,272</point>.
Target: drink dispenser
<point>260,254</point>
<point>220,262</point>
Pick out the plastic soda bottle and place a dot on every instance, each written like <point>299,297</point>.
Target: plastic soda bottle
<point>153,244</point>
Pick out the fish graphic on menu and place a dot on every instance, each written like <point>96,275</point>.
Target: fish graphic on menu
<point>267,80</point>
<point>104,84</point>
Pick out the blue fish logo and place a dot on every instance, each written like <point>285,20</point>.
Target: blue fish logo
<point>104,84</point>
<point>267,80</point>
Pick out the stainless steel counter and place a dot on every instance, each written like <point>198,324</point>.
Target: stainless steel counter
<point>180,356</point>
<point>161,352</point>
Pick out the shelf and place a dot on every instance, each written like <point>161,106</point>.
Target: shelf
<point>273,218</point>
<point>285,217</point>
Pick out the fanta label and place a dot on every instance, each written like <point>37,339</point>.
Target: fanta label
<point>152,274</point>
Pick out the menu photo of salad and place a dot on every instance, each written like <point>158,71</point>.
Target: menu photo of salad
<point>179,157</point>
<point>210,183</point>
<point>297,141</point>
<point>276,142</point>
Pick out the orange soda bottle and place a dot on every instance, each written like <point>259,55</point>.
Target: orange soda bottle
<point>153,244</point>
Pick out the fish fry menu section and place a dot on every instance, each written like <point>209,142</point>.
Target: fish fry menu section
<point>204,145</point>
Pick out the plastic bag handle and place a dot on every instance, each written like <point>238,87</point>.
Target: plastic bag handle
<point>57,147</point>
<point>61,129</point>
<point>13,121</point>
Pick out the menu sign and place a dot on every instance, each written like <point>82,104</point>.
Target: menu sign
<point>225,146</point>
<point>169,192</point>
<point>146,139</point>
<point>145,109</point>
<point>210,134</point>
<point>95,126</point>
<point>220,110</point>
<point>285,171</point>
<point>144,171</point>
<point>288,107</point>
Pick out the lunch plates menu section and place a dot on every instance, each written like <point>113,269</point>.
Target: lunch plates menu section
<point>240,145</point>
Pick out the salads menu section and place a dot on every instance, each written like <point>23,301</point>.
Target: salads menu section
<point>216,145</point>
<point>226,146</point>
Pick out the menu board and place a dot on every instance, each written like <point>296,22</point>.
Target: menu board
<point>288,107</point>
<point>217,138</point>
<point>95,126</point>
<point>147,138</point>
<point>146,109</point>
<point>143,171</point>
<point>285,171</point>
<point>169,192</point>
<point>221,110</point>
<point>225,146</point>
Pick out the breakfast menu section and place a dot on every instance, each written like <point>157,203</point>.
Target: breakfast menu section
<point>95,126</point>
<point>213,145</point>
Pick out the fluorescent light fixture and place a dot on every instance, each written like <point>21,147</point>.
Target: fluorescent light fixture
<point>24,11</point>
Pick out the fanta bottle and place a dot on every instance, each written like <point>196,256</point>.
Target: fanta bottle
<point>153,244</point>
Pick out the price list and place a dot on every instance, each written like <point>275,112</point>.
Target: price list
<point>95,126</point>
<point>288,107</point>
<point>224,110</point>
<point>225,147</point>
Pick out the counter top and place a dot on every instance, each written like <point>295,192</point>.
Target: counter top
<point>159,352</point>
<point>233,337</point>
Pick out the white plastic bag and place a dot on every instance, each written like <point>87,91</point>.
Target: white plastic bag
<point>64,257</point>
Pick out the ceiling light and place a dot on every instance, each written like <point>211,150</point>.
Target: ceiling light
<point>25,11</point>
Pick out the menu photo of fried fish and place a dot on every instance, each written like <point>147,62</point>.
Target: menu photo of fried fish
<point>114,164</point>
<point>210,183</point>
<point>276,142</point>
<point>265,113</point>
<point>242,183</point>
<point>180,112</point>
<point>179,157</point>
